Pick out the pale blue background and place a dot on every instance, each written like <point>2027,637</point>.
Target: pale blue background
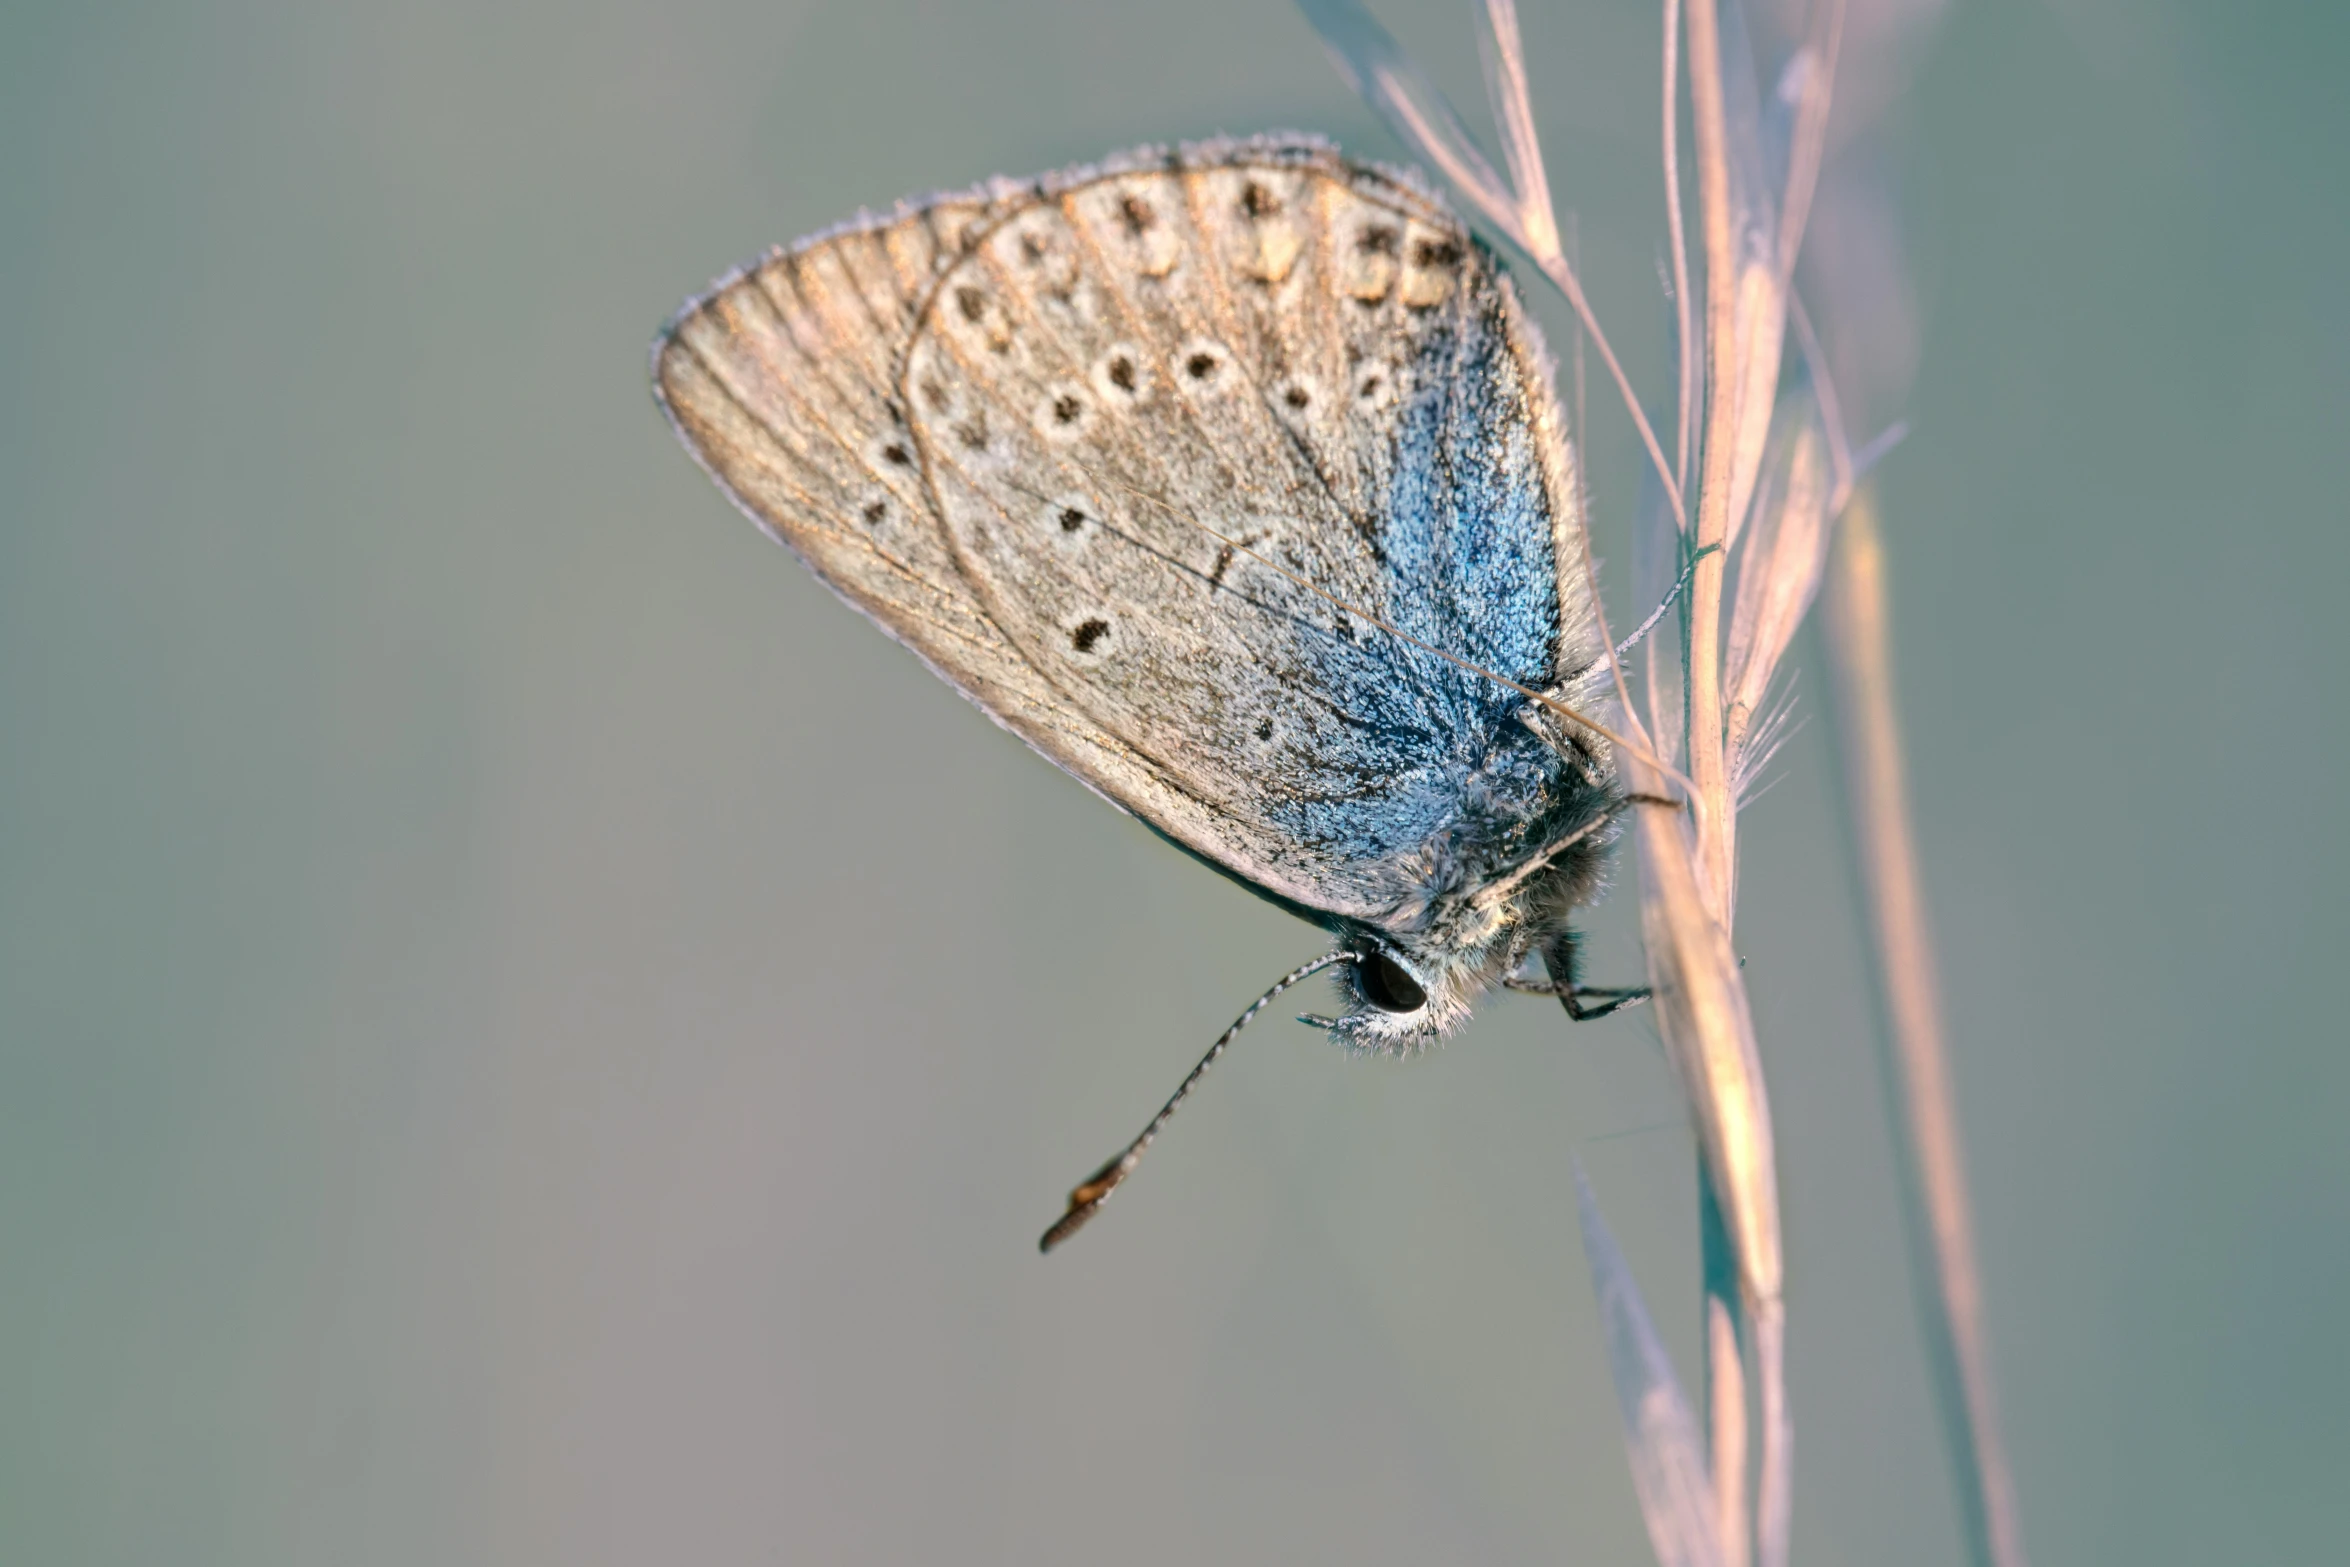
<point>530,1035</point>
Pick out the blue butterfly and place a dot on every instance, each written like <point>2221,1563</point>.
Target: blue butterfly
<point>1231,480</point>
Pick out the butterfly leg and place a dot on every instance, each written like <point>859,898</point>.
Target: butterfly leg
<point>1583,1010</point>
<point>1584,1003</point>
<point>1672,593</point>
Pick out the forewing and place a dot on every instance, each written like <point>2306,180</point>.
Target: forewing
<point>1195,427</point>
<point>782,381</point>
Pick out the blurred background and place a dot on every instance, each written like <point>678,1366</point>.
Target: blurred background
<point>529,1033</point>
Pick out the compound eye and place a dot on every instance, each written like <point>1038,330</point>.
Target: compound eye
<point>1387,985</point>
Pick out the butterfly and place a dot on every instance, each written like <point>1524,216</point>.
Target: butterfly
<point>1229,477</point>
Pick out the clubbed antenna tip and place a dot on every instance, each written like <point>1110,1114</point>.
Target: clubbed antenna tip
<point>1086,1199</point>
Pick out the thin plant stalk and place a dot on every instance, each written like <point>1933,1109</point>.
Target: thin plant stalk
<point>1702,703</point>
<point>1810,139</point>
<point>1685,378</point>
<point>1707,759</point>
<point>1857,630</point>
<point>1660,1429</point>
<point>1744,330</point>
<point>1723,1366</point>
<point>1724,1369</point>
<point>1702,1013</point>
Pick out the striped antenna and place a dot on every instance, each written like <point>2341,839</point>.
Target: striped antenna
<point>1091,1193</point>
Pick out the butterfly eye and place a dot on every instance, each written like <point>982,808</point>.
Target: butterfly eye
<point>1387,985</point>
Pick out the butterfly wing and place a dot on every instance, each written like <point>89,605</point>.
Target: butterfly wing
<point>1079,443</point>
<point>1205,434</point>
<point>782,382</point>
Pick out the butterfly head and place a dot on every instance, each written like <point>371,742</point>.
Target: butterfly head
<point>1395,999</point>
<point>1416,978</point>
<point>1401,994</point>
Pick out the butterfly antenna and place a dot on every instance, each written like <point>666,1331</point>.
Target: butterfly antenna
<point>1091,1193</point>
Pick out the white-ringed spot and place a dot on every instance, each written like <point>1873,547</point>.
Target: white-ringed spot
<point>1065,414</point>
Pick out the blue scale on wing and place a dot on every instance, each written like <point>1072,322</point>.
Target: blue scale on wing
<point>1467,534</point>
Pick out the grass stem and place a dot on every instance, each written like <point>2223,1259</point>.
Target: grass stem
<point>1707,765</point>
<point>1857,628</point>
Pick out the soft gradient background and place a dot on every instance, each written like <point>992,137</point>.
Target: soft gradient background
<point>529,1034</point>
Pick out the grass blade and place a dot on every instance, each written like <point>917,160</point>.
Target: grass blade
<point>1754,280</point>
<point>1925,1122</point>
<point>1779,570</point>
<point>1513,114</point>
<point>1661,1436</point>
<point>1401,94</point>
